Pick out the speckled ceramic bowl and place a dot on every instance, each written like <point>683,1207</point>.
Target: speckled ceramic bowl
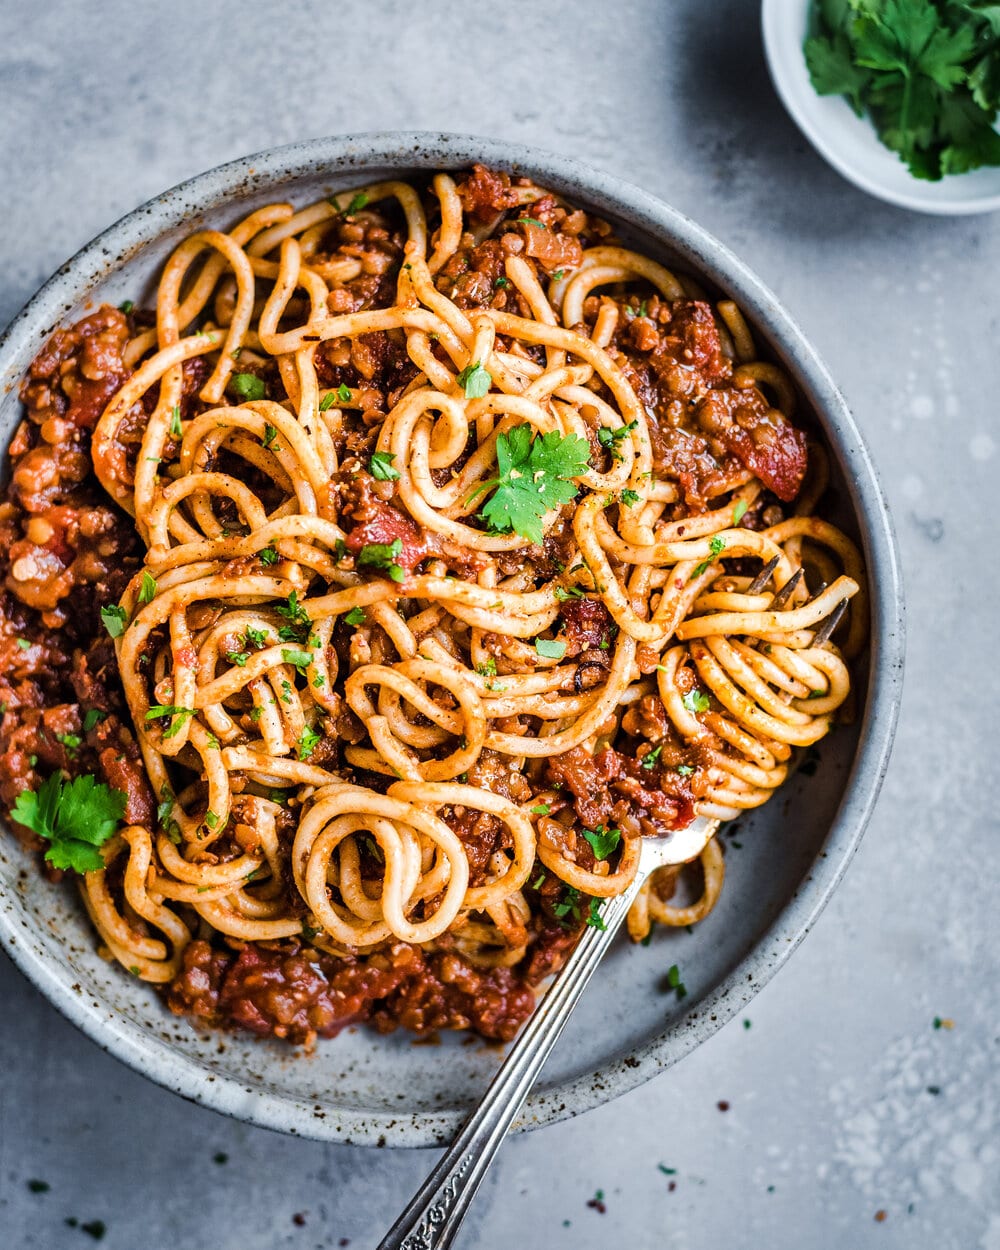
<point>387,1090</point>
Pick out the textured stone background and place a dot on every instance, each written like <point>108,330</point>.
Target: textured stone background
<point>844,1100</point>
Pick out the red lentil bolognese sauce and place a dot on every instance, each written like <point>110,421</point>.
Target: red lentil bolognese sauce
<point>369,600</point>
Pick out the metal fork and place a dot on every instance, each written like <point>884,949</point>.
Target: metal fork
<point>432,1217</point>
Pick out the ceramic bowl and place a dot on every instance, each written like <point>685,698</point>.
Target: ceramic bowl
<point>849,142</point>
<point>362,1087</point>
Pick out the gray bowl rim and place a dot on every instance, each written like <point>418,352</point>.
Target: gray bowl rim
<point>341,156</point>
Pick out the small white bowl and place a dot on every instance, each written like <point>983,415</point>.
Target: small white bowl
<point>849,142</point>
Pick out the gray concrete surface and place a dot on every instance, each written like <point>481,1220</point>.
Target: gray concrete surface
<point>844,1100</point>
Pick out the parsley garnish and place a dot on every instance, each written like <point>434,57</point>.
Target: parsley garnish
<point>384,556</point>
<point>927,73</point>
<point>71,742</point>
<point>175,421</point>
<point>380,466</point>
<point>255,637</point>
<point>674,981</point>
<point>356,616</point>
<point>307,743</point>
<point>533,476</point>
<point>602,840</point>
<point>75,817</point>
<point>568,904</point>
<point>696,701</point>
<point>268,556</point>
<point>501,282</point>
<point>611,440</point>
<point>685,770</point>
<point>294,612</point>
<point>355,206</point>
<point>115,619</point>
<point>147,588</point>
<point>23,644</point>
<point>550,648</point>
<point>270,434</point>
<point>594,918</point>
<point>178,715</point>
<point>630,498</point>
<point>488,668</point>
<point>558,275</point>
<point>650,759</point>
<point>126,306</point>
<point>301,659</point>
<point>239,658</point>
<point>328,400</point>
<point>344,393</point>
<point>739,512</point>
<point>94,717</point>
<point>531,221</point>
<point>475,381</point>
<point>716,546</point>
<point>247,386</point>
<point>562,593</point>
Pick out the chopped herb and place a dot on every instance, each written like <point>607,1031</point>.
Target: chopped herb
<point>255,637</point>
<point>126,307</point>
<point>270,434</point>
<point>115,619</point>
<point>557,276</point>
<point>319,681</point>
<point>214,743</point>
<point>356,205</point>
<point>71,742</point>
<point>286,689</point>
<point>308,740</point>
<point>474,380</point>
<point>611,440</point>
<point>674,981</point>
<point>344,393</point>
<point>295,613</point>
<point>381,468</point>
<point>667,1171</point>
<point>328,400</point>
<point>630,498</point>
<point>301,659</point>
<point>562,593</point>
<point>550,648</point>
<point>75,817</point>
<point>93,717</point>
<point>256,713</point>
<point>356,616</point>
<point>239,658</point>
<point>602,840</point>
<point>643,308</point>
<point>647,939</point>
<point>568,904</point>
<point>696,701</point>
<point>537,883</point>
<point>746,1024</point>
<point>716,546</point>
<point>24,644</point>
<point>211,819</point>
<point>175,421</point>
<point>247,387</point>
<point>501,282</point>
<point>531,221</point>
<point>147,588</point>
<point>739,512</point>
<point>178,717</point>
<point>533,476</point>
<point>384,556</point>
<point>541,809</point>
<point>268,556</point>
<point>594,918</point>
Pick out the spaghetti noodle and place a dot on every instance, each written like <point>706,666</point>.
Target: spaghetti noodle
<point>453,513</point>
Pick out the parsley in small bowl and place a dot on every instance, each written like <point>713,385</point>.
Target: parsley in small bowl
<point>900,96</point>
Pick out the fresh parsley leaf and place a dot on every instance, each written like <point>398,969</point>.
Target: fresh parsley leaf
<point>175,421</point>
<point>602,840</point>
<point>650,759</point>
<point>685,770</point>
<point>501,282</point>
<point>474,380</point>
<point>611,440</point>
<point>594,918</point>
<point>328,400</point>
<point>344,393</point>
<point>177,715</point>
<point>301,659</point>
<point>739,512</point>
<point>126,306</point>
<point>716,546</point>
<point>75,817</point>
<point>550,648</point>
<point>558,275</point>
<point>247,386</point>
<point>268,556</point>
<point>147,588</point>
<point>71,742</point>
<point>357,203</point>
<point>674,981</point>
<point>630,498</point>
<point>384,556</point>
<point>531,221</point>
<point>295,613</point>
<point>270,434</point>
<point>308,741</point>
<point>488,668</point>
<point>23,644</point>
<point>380,466</point>
<point>534,475</point>
<point>255,637</point>
<point>115,619</point>
<point>562,593</point>
<point>356,616</point>
<point>239,658</point>
<point>696,701</point>
<point>93,718</point>
<point>541,809</point>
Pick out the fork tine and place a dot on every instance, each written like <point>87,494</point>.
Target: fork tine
<point>830,624</point>
<point>763,577</point>
<point>785,593</point>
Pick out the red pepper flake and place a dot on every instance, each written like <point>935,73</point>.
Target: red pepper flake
<point>299,1219</point>
<point>881,1216</point>
<point>722,1105</point>
<point>597,1202</point>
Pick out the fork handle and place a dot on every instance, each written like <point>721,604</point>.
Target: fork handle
<point>433,1215</point>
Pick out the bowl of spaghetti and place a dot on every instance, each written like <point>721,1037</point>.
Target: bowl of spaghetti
<point>397,530</point>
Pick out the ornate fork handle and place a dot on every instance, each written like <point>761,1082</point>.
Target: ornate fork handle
<point>433,1215</point>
